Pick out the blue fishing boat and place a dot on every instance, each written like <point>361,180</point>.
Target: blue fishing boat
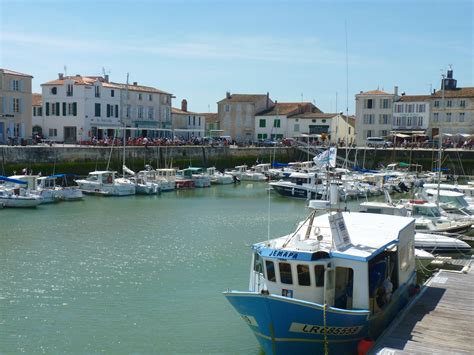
<point>337,280</point>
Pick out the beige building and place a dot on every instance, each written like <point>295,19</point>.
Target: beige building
<point>16,109</point>
<point>38,118</point>
<point>374,114</point>
<point>452,109</point>
<point>187,124</point>
<point>236,114</point>
<point>213,128</point>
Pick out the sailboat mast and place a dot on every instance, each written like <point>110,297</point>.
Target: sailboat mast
<point>347,99</point>
<point>440,141</point>
<point>124,129</point>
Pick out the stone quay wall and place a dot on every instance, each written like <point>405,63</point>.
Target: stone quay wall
<point>80,160</point>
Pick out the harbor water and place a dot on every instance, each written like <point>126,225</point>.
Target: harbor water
<point>134,274</point>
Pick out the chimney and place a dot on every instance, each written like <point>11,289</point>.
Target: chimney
<point>106,78</point>
<point>135,83</point>
<point>227,95</point>
<point>268,99</point>
<point>184,105</point>
<point>60,76</point>
<point>395,90</point>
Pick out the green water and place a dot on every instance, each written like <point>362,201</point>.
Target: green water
<point>134,274</point>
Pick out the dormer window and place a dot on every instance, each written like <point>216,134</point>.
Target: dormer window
<point>54,90</point>
<point>97,91</point>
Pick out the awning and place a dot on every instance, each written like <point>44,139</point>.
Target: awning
<point>401,135</point>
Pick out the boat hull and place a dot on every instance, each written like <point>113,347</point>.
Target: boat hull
<point>284,325</point>
<point>20,202</point>
<point>296,192</point>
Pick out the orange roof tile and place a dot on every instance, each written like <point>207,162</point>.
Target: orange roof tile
<point>178,111</point>
<point>243,98</point>
<point>460,92</point>
<point>375,92</point>
<point>413,98</point>
<point>289,109</point>
<point>37,99</point>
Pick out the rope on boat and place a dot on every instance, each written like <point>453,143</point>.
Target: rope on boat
<point>326,347</point>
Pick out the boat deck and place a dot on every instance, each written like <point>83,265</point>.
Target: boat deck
<point>438,320</point>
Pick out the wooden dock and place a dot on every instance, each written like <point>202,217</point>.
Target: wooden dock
<point>438,321</point>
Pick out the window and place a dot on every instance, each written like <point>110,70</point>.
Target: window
<point>15,85</point>
<point>112,93</point>
<point>303,275</point>
<point>409,121</point>
<point>258,263</point>
<point>462,103</point>
<point>69,109</point>
<point>384,119</point>
<point>319,275</point>
<point>150,97</point>
<point>270,268</point>
<point>368,133</point>
<point>369,103</point>
<point>69,90</point>
<point>16,105</point>
<point>150,112</point>
<point>262,136</point>
<point>140,96</point>
<point>53,132</point>
<point>436,117</point>
<point>54,90</point>
<point>285,273</point>
<point>420,121</point>
<point>199,119</point>
<point>297,127</point>
<point>399,108</point>
<point>227,108</point>
<point>140,111</point>
<point>436,103</point>
<point>97,91</point>
<point>448,117</point>
<point>262,123</point>
<point>385,103</point>
<point>116,111</point>
<point>127,110</point>
<point>461,116</point>
<point>421,108</point>
<point>194,120</point>
<point>384,133</point>
<point>410,108</point>
<point>97,110</point>
<point>276,123</point>
<point>369,119</point>
<point>449,103</point>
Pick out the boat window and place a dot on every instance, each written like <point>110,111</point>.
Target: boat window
<point>270,267</point>
<point>92,178</point>
<point>258,263</point>
<point>319,275</point>
<point>285,273</point>
<point>374,210</point>
<point>344,287</point>
<point>303,275</point>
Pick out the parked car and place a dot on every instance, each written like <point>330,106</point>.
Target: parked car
<point>378,142</point>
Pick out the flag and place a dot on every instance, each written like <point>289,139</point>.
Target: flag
<point>328,157</point>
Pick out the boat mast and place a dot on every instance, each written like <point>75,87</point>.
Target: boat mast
<point>347,101</point>
<point>440,139</point>
<point>124,130</point>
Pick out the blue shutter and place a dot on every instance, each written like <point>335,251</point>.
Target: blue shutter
<point>12,105</point>
<point>3,105</point>
<point>21,105</point>
<point>20,85</point>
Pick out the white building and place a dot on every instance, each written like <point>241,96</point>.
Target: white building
<point>411,114</point>
<point>15,109</point>
<point>333,127</point>
<point>452,109</point>
<point>374,114</point>
<point>38,117</point>
<point>187,124</point>
<point>274,122</point>
<point>77,108</point>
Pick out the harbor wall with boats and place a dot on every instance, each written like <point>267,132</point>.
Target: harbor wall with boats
<point>81,160</point>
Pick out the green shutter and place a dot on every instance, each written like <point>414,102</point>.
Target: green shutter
<point>64,109</point>
<point>74,108</point>
<point>116,111</point>
<point>47,109</point>
<point>108,110</point>
<point>57,109</point>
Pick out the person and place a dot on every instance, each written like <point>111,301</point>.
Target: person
<point>388,286</point>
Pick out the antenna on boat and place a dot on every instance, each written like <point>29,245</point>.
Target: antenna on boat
<point>347,99</point>
<point>268,215</point>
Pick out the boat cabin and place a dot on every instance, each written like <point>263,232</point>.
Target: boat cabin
<point>102,177</point>
<point>383,208</point>
<point>352,261</point>
<point>31,180</point>
<point>167,174</point>
<point>304,178</point>
<point>449,199</point>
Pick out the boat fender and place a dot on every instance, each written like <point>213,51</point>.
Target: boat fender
<point>418,202</point>
<point>364,345</point>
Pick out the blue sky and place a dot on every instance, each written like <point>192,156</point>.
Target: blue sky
<point>198,50</point>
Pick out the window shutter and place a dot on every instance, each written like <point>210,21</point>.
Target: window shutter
<point>12,105</point>
<point>64,109</point>
<point>20,105</point>
<point>3,105</point>
<point>57,109</point>
<point>47,109</point>
<point>116,111</point>
<point>20,85</point>
<point>74,108</point>
<point>11,85</point>
<point>108,110</point>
